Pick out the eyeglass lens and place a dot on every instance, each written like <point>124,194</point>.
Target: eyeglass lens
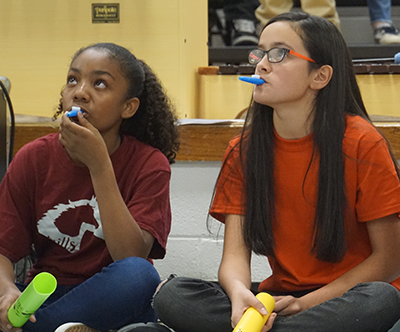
<point>274,55</point>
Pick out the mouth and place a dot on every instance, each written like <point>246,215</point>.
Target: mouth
<point>260,78</point>
<point>73,111</point>
<point>76,107</point>
<point>72,114</point>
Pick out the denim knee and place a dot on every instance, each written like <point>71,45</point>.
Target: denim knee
<point>132,264</point>
<point>133,271</point>
<point>137,280</point>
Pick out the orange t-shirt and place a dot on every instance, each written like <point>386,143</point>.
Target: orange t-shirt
<point>373,191</point>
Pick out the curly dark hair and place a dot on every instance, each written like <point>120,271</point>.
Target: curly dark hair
<point>154,122</point>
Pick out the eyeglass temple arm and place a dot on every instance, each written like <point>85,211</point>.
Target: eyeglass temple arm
<point>301,56</point>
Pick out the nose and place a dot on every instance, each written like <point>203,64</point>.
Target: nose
<point>264,65</point>
<point>81,92</point>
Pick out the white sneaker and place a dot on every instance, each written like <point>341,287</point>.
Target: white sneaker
<point>387,34</point>
<point>75,327</point>
<point>243,33</point>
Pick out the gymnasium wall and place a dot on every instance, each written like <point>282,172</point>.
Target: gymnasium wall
<point>39,37</point>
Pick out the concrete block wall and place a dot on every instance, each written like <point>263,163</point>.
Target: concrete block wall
<point>192,251</point>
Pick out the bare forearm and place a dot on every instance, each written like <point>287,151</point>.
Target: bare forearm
<point>234,272</point>
<point>7,276</point>
<point>233,276</point>
<point>374,268</point>
<point>8,291</point>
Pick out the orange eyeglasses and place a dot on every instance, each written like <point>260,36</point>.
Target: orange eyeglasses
<point>274,55</point>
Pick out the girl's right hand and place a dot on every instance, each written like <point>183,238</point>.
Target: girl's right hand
<point>83,143</point>
<point>6,301</point>
<point>242,302</point>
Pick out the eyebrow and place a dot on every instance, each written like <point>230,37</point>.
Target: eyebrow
<point>94,72</point>
<point>277,44</point>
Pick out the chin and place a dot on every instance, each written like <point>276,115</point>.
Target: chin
<point>259,97</point>
<point>262,101</point>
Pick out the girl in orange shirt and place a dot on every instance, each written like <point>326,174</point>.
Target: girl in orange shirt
<point>310,184</point>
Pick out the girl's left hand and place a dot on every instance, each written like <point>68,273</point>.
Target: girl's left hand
<point>289,305</point>
<point>270,322</point>
<point>82,142</point>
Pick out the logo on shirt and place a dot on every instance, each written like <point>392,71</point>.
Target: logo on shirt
<point>47,225</point>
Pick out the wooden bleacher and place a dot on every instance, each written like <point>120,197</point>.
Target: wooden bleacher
<point>203,142</point>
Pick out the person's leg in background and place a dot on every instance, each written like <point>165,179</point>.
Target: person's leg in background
<point>380,12</point>
<point>270,8</point>
<point>324,8</point>
<point>241,22</point>
<point>234,21</point>
<point>216,23</point>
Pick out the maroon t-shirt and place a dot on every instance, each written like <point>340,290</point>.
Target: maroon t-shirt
<point>48,201</point>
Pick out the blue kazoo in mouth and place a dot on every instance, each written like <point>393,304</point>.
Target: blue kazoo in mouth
<point>73,114</point>
<point>254,79</point>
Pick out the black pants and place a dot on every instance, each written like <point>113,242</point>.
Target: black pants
<point>193,305</point>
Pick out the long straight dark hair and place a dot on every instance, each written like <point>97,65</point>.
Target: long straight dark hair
<point>340,97</point>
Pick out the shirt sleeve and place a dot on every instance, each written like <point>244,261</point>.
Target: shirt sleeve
<point>378,191</point>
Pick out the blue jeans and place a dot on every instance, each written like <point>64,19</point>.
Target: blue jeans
<point>193,305</point>
<point>380,10</point>
<point>119,295</point>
